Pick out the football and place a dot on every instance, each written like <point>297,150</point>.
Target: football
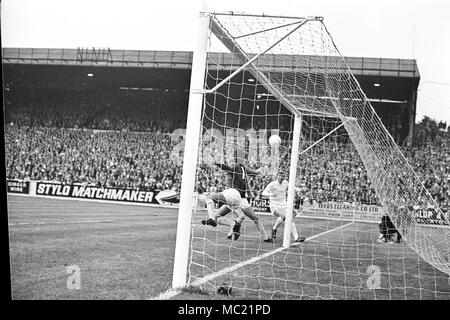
<point>274,140</point>
<point>225,289</point>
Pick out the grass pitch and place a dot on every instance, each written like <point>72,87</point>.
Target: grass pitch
<point>126,252</point>
<point>123,252</point>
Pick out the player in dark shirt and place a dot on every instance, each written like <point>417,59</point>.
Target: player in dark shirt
<point>236,177</point>
<point>234,198</point>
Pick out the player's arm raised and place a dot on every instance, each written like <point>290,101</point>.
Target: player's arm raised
<point>223,166</point>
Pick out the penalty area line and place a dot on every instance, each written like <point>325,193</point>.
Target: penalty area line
<point>173,292</point>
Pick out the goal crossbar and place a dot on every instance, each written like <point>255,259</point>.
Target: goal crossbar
<point>241,14</point>
<point>265,30</point>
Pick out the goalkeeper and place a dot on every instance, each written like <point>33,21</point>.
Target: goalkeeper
<point>233,198</point>
<point>276,192</point>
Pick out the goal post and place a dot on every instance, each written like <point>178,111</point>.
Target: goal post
<point>292,180</point>
<point>193,128</point>
<point>285,76</point>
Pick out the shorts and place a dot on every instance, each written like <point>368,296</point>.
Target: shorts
<point>282,208</point>
<point>244,204</point>
<point>233,198</point>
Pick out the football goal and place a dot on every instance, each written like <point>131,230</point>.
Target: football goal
<point>266,78</point>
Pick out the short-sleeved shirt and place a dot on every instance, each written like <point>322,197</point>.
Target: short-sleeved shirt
<point>279,192</point>
<point>236,177</point>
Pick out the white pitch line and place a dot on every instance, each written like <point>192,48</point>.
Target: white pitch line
<point>57,222</point>
<point>325,232</point>
<point>166,295</point>
<point>173,292</point>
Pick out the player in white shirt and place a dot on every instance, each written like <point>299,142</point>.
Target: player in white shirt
<point>276,192</point>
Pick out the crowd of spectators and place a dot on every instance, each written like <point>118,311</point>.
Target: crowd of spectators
<point>431,163</point>
<point>103,158</point>
<point>153,161</point>
<point>103,140</point>
<point>396,121</point>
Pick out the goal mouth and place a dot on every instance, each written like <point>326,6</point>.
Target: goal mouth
<point>285,77</point>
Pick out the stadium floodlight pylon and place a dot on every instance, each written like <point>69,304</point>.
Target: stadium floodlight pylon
<point>295,62</point>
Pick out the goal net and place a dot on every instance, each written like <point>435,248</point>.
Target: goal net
<point>349,174</point>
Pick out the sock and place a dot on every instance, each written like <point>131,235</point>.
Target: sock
<point>230,232</point>
<point>239,216</point>
<point>261,229</point>
<point>211,209</point>
<point>294,231</point>
<point>238,220</point>
<point>277,223</point>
